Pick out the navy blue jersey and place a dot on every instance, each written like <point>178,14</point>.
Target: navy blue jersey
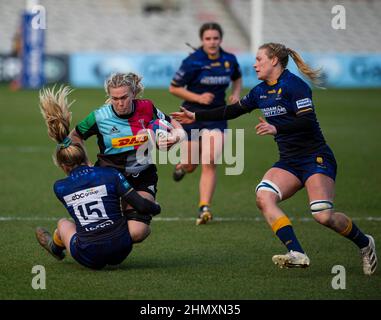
<point>281,103</point>
<point>200,74</point>
<point>91,195</point>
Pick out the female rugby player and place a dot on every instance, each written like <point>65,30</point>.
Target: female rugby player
<point>201,82</point>
<point>305,158</point>
<point>100,235</point>
<point>118,125</point>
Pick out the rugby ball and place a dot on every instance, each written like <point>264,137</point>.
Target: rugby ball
<point>160,128</point>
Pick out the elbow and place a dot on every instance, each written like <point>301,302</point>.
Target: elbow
<point>172,89</point>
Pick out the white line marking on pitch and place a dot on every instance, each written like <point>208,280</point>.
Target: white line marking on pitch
<point>166,219</point>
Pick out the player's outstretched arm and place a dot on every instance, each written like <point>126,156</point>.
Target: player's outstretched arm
<point>184,117</point>
<point>227,112</point>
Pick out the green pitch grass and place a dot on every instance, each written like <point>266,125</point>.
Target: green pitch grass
<point>226,259</point>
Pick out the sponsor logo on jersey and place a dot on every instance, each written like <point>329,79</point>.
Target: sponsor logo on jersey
<point>152,188</point>
<point>279,97</point>
<point>100,226</point>
<point>274,111</point>
<point>217,80</point>
<point>129,141</point>
<point>303,103</point>
<point>262,96</point>
<point>114,130</point>
<point>85,195</point>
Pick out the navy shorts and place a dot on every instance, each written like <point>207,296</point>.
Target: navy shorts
<point>210,125</point>
<point>304,167</point>
<point>98,254</point>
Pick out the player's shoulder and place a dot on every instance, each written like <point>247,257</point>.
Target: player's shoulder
<point>228,55</point>
<point>103,112</point>
<point>259,88</point>
<point>143,106</point>
<point>293,82</point>
<point>60,186</point>
<point>106,175</point>
<point>143,103</point>
<point>195,58</point>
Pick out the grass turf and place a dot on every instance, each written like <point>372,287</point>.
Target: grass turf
<point>221,260</point>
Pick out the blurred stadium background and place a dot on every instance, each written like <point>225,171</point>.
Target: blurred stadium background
<point>230,258</point>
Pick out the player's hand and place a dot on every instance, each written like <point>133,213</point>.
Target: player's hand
<point>167,142</point>
<point>184,117</point>
<point>264,128</point>
<point>233,99</point>
<point>205,98</point>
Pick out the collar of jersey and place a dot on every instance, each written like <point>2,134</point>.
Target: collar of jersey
<point>209,57</point>
<point>273,83</point>
<point>82,166</point>
<point>125,116</point>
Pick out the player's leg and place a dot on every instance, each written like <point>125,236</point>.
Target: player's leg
<point>138,225</point>
<point>321,192</point>
<point>277,185</point>
<point>66,230</point>
<point>60,240</point>
<point>189,159</point>
<point>212,142</point>
<point>145,183</point>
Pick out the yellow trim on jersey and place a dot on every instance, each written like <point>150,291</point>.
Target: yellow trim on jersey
<point>213,57</point>
<point>271,83</point>
<point>129,141</point>
<point>280,223</point>
<point>304,110</point>
<point>348,229</point>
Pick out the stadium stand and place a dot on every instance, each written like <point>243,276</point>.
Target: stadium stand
<point>305,25</point>
<point>165,25</point>
<point>127,25</point>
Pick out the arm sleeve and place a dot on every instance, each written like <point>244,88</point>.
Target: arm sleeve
<point>142,205</point>
<point>302,123</point>
<point>301,98</point>
<point>222,113</point>
<point>87,127</point>
<point>236,71</point>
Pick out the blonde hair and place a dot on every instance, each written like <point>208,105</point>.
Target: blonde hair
<point>281,52</point>
<point>54,107</point>
<point>131,80</point>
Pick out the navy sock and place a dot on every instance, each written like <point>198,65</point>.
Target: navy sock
<point>57,249</point>
<point>357,236</point>
<point>287,236</point>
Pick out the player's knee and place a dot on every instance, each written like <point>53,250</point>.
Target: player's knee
<point>61,223</point>
<point>322,211</point>
<point>140,235</point>
<point>268,193</point>
<point>264,200</point>
<point>324,218</point>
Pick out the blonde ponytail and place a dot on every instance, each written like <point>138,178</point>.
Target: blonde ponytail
<point>54,107</point>
<point>282,53</point>
<point>304,68</point>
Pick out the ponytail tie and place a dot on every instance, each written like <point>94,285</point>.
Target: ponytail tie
<point>64,144</point>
